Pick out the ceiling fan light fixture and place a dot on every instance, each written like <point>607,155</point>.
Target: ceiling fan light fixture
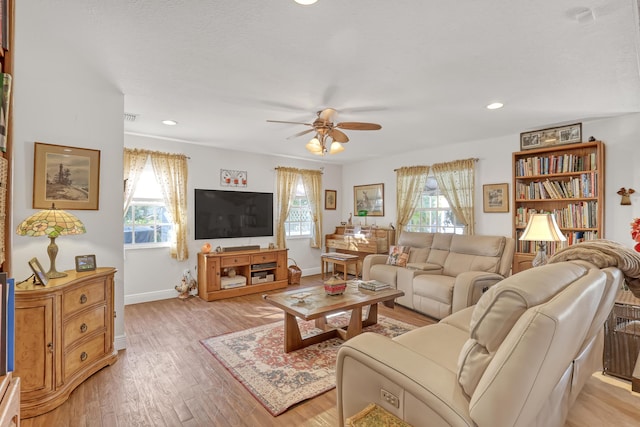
<point>336,147</point>
<point>314,146</point>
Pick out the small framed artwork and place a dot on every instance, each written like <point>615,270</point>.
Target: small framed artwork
<point>368,200</point>
<point>38,271</point>
<point>495,197</point>
<point>68,177</point>
<point>233,178</point>
<point>553,136</point>
<point>330,199</point>
<point>85,263</point>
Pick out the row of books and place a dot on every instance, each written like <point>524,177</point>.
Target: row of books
<point>584,186</point>
<point>372,285</point>
<point>575,215</point>
<point>553,247</point>
<point>553,164</point>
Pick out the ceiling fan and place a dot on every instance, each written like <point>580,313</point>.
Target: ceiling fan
<point>329,138</point>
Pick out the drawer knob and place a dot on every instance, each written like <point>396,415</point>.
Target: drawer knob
<point>83,299</point>
<point>83,356</point>
<point>83,328</point>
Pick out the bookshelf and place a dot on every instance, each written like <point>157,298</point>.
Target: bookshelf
<point>565,180</point>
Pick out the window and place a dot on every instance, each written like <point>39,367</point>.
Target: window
<point>433,214</point>
<point>147,222</point>
<point>298,223</point>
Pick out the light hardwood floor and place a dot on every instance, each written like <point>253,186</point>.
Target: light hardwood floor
<point>165,377</point>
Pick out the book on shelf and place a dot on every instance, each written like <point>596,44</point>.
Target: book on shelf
<point>373,285</point>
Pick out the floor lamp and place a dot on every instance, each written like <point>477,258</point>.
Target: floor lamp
<point>542,228</point>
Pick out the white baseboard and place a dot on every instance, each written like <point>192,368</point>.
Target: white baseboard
<point>311,271</point>
<point>120,343</point>
<point>150,296</point>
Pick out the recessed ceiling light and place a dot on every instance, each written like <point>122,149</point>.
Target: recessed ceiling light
<point>495,105</point>
<point>169,122</point>
<point>306,2</point>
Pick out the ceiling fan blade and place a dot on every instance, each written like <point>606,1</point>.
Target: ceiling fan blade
<point>293,123</point>
<point>338,136</point>
<point>300,133</point>
<point>358,126</point>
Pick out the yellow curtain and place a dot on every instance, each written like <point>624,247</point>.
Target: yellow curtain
<point>410,181</point>
<point>171,173</point>
<point>312,181</point>
<point>456,181</point>
<point>287,178</point>
<point>134,162</point>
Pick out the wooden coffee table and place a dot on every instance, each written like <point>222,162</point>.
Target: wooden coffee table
<point>317,305</point>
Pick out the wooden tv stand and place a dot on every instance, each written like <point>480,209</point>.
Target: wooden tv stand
<point>264,269</point>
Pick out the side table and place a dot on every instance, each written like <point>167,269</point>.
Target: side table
<point>622,339</point>
<point>340,259</point>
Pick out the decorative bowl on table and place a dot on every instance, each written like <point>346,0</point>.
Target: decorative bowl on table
<point>335,286</point>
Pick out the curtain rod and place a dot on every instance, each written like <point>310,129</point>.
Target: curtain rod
<point>475,159</point>
<point>313,170</point>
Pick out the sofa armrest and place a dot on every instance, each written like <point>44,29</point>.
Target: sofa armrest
<point>469,287</point>
<point>427,393</point>
<point>371,260</point>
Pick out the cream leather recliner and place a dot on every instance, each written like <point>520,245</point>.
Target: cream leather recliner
<point>519,357</point>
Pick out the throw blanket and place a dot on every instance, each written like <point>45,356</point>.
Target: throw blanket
<point>605,253</point>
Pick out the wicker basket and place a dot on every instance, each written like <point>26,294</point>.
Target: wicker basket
<point>622,336</point>
<point>295,274</point>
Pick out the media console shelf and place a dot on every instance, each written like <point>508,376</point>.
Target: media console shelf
<point>264,270</point>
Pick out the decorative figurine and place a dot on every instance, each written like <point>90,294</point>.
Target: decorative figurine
<point>625,195</point>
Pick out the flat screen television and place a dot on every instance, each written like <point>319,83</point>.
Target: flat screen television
<point>221,214</point>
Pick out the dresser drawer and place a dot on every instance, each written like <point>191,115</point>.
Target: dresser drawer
<point>232,261</point>
<point>266,257</point>
<point>84,324</point>
<point>79,298</point>
<point>83,355</point>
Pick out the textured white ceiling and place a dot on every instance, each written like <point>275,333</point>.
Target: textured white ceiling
<point>424,70</point>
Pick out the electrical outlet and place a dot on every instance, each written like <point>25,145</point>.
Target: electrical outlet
<point>390,398</point>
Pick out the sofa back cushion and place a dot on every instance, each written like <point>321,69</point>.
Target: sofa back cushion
<point>440,248</point>
<point>474,253</point>
<point>499,309</point>
<point>415,239</point>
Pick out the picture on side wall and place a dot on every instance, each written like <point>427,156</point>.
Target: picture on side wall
<point>568,134</point>
<point>495,197</point>
<point>68,177</point>
<point>330,199</point>
<point>368,200</point>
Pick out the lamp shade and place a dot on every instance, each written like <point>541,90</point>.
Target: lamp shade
<point>51,223</point>
<point>543,228</point>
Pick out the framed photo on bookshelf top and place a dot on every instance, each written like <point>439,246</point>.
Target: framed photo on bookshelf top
<point>66,176</point>
<point>568,134</point>
<point>495,198</point>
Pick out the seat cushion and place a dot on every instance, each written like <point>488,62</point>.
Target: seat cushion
<point>449,341</point>
<point>434,286</point>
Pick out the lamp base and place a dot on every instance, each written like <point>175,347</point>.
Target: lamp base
<point>55,274</point>
<point>541,256</point>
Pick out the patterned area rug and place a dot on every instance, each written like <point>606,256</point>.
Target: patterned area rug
<point>279,380</point>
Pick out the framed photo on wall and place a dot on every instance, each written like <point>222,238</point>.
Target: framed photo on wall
<point>368,199</point>
<point>553,136</point>
<point>495,197</point>
<point>330,199</point>
<point>68,177</point>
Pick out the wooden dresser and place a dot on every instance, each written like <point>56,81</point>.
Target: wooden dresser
<point>360,241</point>
<point>64,334</point>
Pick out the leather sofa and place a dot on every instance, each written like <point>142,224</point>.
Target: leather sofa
<point>444,272</point>
<point>519,357</point>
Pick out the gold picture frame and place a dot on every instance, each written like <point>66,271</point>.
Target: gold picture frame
<point>330,201</point>
<point>68,177</point>
<point>368,199</point>
<point>495,198</point>
<point>568,134</point>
